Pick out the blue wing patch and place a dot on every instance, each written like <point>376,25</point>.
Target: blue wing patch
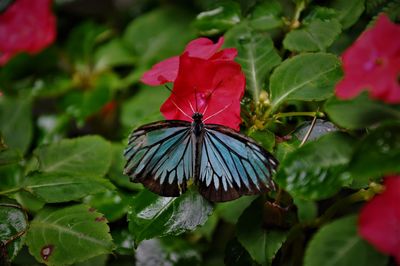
<point>161,157</point>
<point>233,165</point>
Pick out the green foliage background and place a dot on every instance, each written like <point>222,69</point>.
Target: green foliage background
<point>65,115</point>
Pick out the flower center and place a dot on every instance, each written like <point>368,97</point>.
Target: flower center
<point>379,61</point>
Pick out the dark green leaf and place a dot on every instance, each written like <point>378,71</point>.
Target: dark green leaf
<point>9,156</point>
<point>220,18</point>
<point>338,243</point>
<point>143,107</point>
<point>113,204</point>
<point>377,154</point>
<point>315,36</point>
<point>162,33</point>
<point>256,54</point>
<point>316,170</point>
<point>348,11</point>
<point>113,54</point>
<point>231,211</point>
<point>267,16</point>
<point>68,235</point>
<point>55,187</point>
<point>261,244</point>
<point>16,122</point>
<point>155,216</point>
<point>83,156</point>
<point>115,173</point>
<point>236,255</point>
<point>265,137</point>
<point>305,77</point>
<point>360,112</point>
<point>13,224</point>
<point>306,210</point>
<point>124,241</point>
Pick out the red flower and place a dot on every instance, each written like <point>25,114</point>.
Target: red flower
<point>26,26</point>
<point>379,221</point>
<point>373,63</point>
<point>167,70</point>
<point>205,81</point>
<point>213,87</point>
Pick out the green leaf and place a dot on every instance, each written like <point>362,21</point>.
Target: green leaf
<point>113,204</point>
<point>16,122</point>
<point>306,210</point>
<point>9,156</point>
<point>230,211</point>
<point>67,235</point>
<point>115,173</point>
<point>55,187</point>
<point>123,241</point>
<point>155,216</point>
<point>221,17</point>
<point>113,54</point>
<point>162,33</point>
<point>265,137</point>
<point>360,112</point>
<point>338,243</point>
<point>316,170</point>
<point>236,255</point>
<point>256,54</point>
<point>165,252</point>
<point>143,107</point>
<point>267,16</point>
<point>348,11</point>
<point>83,156</point>
<point>14,222</point>
<point>307,77</point>
<point>315,36</point>
<point>377,154</point>
<point>260,243</point>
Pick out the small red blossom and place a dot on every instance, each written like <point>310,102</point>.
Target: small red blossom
<point>379,221</point>
<point>26,26</point>
<point>167,70</point>
<point>211,87</point>
<point>373,63</point>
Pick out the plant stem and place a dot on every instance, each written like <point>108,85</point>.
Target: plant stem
<point>12,190</point>
<point>280,115</point>
<point>295,21</point>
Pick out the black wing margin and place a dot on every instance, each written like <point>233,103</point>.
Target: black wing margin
<point>233,165</point>
<point>160,155</point>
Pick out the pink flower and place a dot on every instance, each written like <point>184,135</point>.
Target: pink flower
<point>373,63</point>
<point>167,70</point>
<point>379,221</point>
<point>26,26</point>
<point>205,80</point>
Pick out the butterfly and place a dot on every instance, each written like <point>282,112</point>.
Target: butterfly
<point>166,156</point>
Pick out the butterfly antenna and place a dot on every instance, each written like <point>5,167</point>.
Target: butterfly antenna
<point>217,113</point>
<point>181,110</point>
<point>191,106</point>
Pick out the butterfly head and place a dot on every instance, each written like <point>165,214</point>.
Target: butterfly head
<point>197,117</point>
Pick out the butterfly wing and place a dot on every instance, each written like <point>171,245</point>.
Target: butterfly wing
<point>233,165</point>
<point>160,155</point>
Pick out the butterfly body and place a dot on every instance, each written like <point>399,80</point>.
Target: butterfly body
<point>164,156</point>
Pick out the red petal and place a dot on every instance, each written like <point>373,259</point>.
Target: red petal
<point>162,72</point>
<point>226,54</point>
<point>373,63</point>
<point>379,221</point>
<point>217,86</point>
<point>26,26</point>
<point>203,47</point>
